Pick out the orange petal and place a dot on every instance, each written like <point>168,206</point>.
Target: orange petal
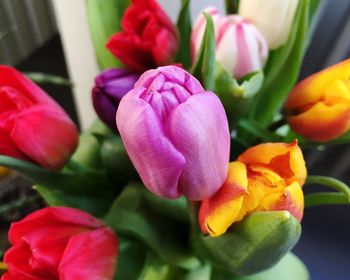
<point>219,212</point>
<point>291,199</point>
<point>322,122</point>
<point>311,89</point>
<point>285,159</point>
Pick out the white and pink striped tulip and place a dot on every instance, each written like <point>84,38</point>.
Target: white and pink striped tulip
<point>240,47</point>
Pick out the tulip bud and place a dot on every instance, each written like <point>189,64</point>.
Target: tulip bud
<point>274,18</point>
<point>318,108</point>
<point>267,177</point>
<point>240,47</point>
<point>175,133</point>
<point>33,126</point>
<point>110,87</point>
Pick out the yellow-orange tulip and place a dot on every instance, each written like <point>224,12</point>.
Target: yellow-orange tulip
<point>318,108</point>
<point>266,177</point>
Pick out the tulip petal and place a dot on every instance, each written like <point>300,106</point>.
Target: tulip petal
<point>291,199</point>
<point>322,122</point>
<point>220,211</point>
<point>199,130</point>
<point>311,89</point>
<point>48,217</point>
<point>285,159</point>
<point>48,142</point>
<point>14,79</point>
<point>155,158</point>
<point>90,255</point>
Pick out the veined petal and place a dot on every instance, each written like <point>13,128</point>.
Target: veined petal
<point>155,158</point>
<point>199,130</point>
<point>291,199</point>
<point>219,212</point>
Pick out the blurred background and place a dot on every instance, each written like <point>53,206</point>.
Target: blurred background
<point>52,37</point>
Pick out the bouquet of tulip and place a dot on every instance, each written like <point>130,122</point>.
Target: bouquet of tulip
<point>196,164</point>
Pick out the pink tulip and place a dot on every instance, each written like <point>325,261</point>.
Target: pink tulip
<point>175,133</point>
<point>33,126</point>
<point>240,47</point>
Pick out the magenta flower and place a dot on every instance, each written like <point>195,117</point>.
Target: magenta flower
<point>175,133</point>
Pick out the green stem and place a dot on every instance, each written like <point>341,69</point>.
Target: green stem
<point>331,183</point>
<point>232,6</point>
<point>17,204</point>
<point>274,126</point>
<point>326,198</point>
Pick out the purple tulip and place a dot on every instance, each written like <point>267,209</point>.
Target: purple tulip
<point>110,87</point>
<point>176,134</point>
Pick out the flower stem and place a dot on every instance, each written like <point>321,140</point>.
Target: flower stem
<point>331,183</point>
<point>232,6</point>
<point>325,198</point>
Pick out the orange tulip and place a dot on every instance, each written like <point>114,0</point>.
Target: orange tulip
<point>266,177</point>
<point>318,108</point>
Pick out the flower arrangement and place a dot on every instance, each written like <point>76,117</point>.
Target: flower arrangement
<point>195,169</point>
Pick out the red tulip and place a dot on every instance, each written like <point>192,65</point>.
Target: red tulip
<point>33,126</point>
<point>60,243</point>
<point>148,38</point>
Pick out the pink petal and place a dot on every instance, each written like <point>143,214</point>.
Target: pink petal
<point>199,130</point>
<point>155,158</point>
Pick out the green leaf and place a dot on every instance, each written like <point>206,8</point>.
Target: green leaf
<point>259,132</point>
<point>252,245</point>
<point>236,95</point>
<point>282,69</point>
<point>232,6</point>
<point>329,182</point>
<point>44,78</point>
<point>116,161</point>
<point>96,203</point>
<point>104,19</point>
<point>289,268</point>
<point>132,258</point>
<point>204,67</point>
<point>132,217</point>
<point>184,26</point>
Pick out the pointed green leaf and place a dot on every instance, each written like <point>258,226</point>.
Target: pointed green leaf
<point>252,245</point>
<point>184,26</point>
<point>104,19</point>
<point>255,129</point>
<point>282,69</point>
<point>236,95</point>
<point>204,67</point>
<point>96,203</point>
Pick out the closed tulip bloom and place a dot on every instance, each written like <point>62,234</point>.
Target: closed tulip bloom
<point>318,108</point>
<point>148,38</point>
<point>274,18</point>
<point>110,87</point>
<point>60,243</point>
<point>176,134</point>
<point>240,47</point>
<point>33,126</point>
<point>267,177</point>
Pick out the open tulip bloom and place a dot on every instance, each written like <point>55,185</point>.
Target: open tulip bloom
<point>195,168</point>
